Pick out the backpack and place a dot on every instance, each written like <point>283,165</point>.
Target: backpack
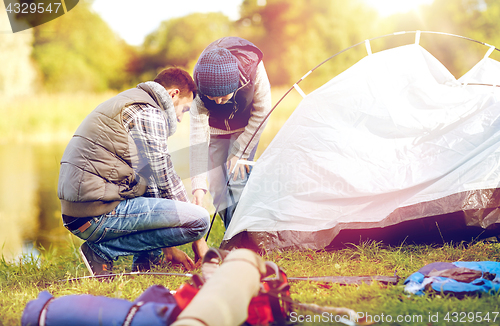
<point>157,305</point>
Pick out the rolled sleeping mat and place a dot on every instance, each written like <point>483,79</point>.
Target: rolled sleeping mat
<point>155,307</point>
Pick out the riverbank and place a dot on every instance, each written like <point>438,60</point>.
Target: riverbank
<point>48,118</point>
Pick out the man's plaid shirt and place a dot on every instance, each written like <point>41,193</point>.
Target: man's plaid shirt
<point>149,129</point>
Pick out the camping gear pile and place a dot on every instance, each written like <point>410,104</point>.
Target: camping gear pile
<point>234,288</point>
<point>226,294</point>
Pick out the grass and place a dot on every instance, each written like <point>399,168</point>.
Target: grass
<point>21,281</point>
<point>52,118</point>
<point>45,117</point>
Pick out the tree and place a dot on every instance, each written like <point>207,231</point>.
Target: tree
<point>295,36</point>
<point>78,51</point>
<point>476,19</point>
<point>179,42</point>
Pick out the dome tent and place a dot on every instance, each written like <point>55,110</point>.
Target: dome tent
<point>393,149</point>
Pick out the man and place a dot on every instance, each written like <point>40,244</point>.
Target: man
<point>117,185</point>
<point>234,96</point>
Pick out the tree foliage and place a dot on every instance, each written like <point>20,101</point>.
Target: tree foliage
<point>78,51</point>
<point>297,35</point>
<point>475,19</point>
<point>179,42</point>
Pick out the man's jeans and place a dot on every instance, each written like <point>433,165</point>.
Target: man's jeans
<point>142,226</point>
<point>219,151</point>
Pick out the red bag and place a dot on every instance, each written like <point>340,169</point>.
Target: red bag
<point>270,305</point>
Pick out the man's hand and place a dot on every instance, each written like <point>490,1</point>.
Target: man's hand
<point>177,256</point>
<point>240,169</point>
<point>198,195</point>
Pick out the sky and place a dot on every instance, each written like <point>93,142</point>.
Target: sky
<point>133,19</point>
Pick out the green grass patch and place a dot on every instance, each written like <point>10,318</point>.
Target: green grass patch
<point>46,117</point>
<point>54,117</point>
<point>22,280</point>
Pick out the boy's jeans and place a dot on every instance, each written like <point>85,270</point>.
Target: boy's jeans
<point>219,151</point>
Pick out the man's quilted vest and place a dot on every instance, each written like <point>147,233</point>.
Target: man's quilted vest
<point>97,165</point>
